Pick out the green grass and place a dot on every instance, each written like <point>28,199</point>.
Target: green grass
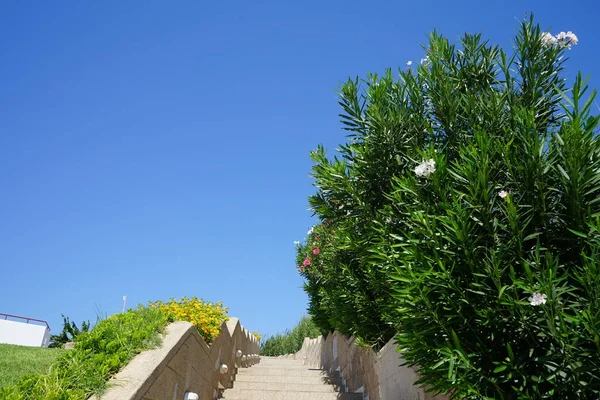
<point>290,341</point>
<point>77,374</point>
<point>18,361</point>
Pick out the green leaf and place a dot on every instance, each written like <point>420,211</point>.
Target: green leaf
<point>500,368</point>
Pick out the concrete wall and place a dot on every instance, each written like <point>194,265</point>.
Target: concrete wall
<point>23,334</point>
<point>379,376</point>
<point>185,363</point>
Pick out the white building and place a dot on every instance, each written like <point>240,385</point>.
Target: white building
<point>24,331</point>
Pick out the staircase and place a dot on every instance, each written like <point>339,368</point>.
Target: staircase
<point>284,379</point>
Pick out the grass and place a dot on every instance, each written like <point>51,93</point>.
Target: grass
<point>290,341</point>
<point>77,374</point>
<point>18,361</point>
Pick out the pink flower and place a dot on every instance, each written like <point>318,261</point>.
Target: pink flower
<point>316,251</point>
<point>300,268</point>
<point>306,262</point>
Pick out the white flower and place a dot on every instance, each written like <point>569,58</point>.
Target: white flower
<point>296,243</point>
<point>567,39</point>
<point>425,169</point>
<point>425,60</point>
<point>312,228</point>
<point>503,194</point>
<point>548,40</point>
<point>409,63</point>
<point>537,299</point>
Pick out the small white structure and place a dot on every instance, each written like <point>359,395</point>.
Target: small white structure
<point>24,333</point>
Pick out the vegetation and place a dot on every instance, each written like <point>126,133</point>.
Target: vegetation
<point>55,374</point>
<point>69,332</point>
<point>462,217</point>
<point>207,317</point>
<point>98,354</point>
<point>290,341</point>
<point>18,361</point>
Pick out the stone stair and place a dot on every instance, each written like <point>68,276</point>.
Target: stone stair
<point>285,379</point>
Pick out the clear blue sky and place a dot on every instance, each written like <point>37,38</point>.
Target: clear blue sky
<point>159,149</point>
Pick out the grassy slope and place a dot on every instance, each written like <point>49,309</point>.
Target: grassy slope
<point>16,361</point>
<point>76,374</point>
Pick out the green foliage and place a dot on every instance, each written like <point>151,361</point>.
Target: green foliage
<point>453,258</point>
<point>97,355</point>
<point>69,333</point>
<point>207,317</point>
<point>290,341</point>
<point>18,361</point>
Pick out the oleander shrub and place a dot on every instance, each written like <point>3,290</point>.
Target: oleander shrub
<point>463,214</point>
<point>207,317</point>
<point>346,292</point>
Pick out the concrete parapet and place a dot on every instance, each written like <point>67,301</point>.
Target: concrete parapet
<point>185,363</point>
<point>377,375</point>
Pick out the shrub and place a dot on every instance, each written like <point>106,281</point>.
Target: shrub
<point>205,316</point>
<point>345,293</point>
<point>69,333</point>
<point>290,341</point>
<point>464,214</point>
<point>97,356</point>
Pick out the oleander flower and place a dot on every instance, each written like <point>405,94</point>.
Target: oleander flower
<point>426,168</point>
<point>537,299</point>
<point>567,39</point>
<point>548,40</point>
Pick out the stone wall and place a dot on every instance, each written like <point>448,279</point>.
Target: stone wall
<point>379,376</point>
<point>185,363</point>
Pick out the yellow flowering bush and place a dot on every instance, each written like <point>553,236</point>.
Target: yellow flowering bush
<point>205,316</point>
<point>257,335</point>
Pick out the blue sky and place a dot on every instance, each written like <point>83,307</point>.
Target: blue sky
<point>159,149</point>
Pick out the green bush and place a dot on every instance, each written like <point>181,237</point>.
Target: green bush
<point>464,214</point>
<point>69,332</point>
<point>346,292</point>
<point>97,356</point>
<point>290,341</point>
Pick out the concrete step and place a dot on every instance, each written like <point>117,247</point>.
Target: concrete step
<point>286,379</point>
<point>272,371</point>
<point>320,379</point>
<point>289,387</point>
<point>279,365</point>
<point>234,394</point>
<point>265,359</point>
<point>279,362</point>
